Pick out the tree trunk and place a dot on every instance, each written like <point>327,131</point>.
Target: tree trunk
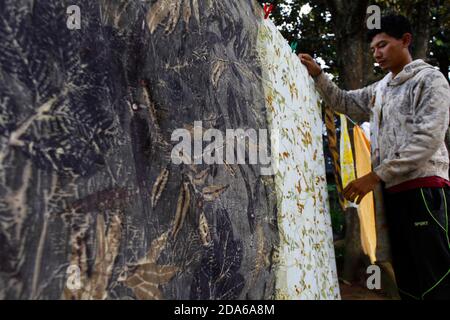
<point>354,62</point>
<point>444,65</point>
<point>421,23</point>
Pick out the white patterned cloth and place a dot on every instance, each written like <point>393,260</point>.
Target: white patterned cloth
<point>306,268</point>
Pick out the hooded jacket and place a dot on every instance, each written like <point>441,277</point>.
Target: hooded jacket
<point>409,118</point>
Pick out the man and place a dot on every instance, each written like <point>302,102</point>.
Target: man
<point>409,115</point>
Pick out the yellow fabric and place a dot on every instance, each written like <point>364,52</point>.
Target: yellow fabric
<point>366,210</point>
<point>346,156</point>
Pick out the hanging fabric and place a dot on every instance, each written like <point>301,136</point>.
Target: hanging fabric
<point>332,146</point>
<point>346,157</point>
<point>366,210</point>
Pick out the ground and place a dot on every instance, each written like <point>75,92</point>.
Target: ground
<point>359,292</point>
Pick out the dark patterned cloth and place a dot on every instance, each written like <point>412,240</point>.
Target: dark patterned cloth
<point>88,194</point>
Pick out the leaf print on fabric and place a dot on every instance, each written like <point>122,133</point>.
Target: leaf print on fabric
<point>211,193</point>
<point>161,10</point>
<point>172,11</point>
<point>147,275</point>
<point>269,100</point>
<point>184,199</point>
<point>217,71</point>
<point>200,178</point>
<point>293,89</point>
<point>159,186</point>
<point>94,285</point>
<point>203,227</point>
<point>262,254</point>
<point>55,127</point>
<point>218,276</point>
<point>303,212</point>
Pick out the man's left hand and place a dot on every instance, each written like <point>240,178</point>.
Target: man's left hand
<point>357,190</point>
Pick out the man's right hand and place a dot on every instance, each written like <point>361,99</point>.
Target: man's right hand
<point>313,68</point>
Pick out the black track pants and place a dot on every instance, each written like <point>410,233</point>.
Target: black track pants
<point>418,222</point>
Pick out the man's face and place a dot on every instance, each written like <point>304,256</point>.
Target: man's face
<point>388,51</point>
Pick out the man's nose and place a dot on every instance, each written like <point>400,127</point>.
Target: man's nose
<point>377,54</point>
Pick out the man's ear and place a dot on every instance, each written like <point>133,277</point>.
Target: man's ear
<point>407,40</point>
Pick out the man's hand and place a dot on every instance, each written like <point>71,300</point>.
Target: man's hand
<point>313,68</point>
<point>357,190</point>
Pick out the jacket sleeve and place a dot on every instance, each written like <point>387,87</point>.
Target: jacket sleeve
<point>429,126</point>
<point>354,103</point>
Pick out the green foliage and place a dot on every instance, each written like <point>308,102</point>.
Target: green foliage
<point>312,31</point>
<point>337,216</point>
<point>316,34</point>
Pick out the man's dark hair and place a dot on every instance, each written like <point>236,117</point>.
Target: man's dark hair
<point>393,25</point>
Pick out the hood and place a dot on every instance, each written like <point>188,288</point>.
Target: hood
<point>409,71</point>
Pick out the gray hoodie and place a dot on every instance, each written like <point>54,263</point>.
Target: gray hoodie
<point>409,117</point>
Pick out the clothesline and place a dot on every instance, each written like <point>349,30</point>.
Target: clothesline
<point>349,119</point>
